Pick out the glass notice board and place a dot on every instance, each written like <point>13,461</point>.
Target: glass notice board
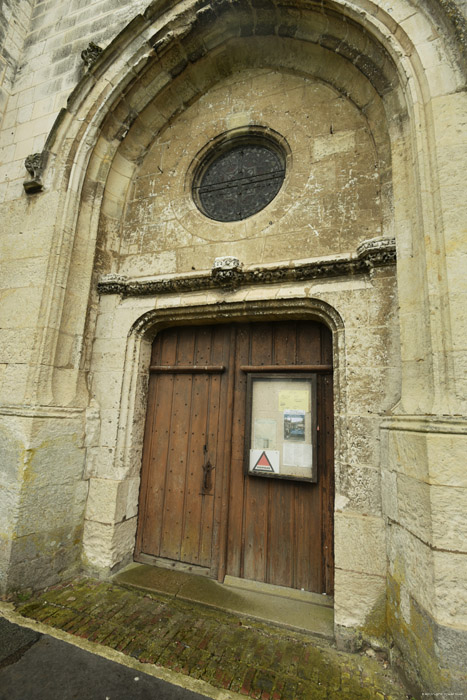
<point>281,426</point>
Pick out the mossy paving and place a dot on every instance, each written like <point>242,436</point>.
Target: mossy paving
<point>252,658</point>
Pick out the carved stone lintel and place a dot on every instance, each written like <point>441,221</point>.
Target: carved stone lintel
<point>228,273</point>
<point>91,54</point>
<point>35,164</point>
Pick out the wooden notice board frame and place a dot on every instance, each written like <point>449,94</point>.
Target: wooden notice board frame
<point>295,426</point>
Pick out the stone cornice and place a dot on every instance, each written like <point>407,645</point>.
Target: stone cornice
<point>373,253</point>
<point>456,425</point>
<point>41,411</point>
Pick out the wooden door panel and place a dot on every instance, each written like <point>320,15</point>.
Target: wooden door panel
<point>156,454</point>
<point>285,525</point>
<point>176,516</point>
<point>177,465</point>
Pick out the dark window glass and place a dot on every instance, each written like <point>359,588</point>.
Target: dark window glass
<point>240,182</point>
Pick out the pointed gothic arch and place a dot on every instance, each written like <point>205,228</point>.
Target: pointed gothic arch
<point>92,146</point>
<point>385,63</point>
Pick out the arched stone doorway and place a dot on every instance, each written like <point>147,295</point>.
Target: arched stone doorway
<point>203,508</point>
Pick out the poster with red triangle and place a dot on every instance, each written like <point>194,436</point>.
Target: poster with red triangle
<point>264,461</point>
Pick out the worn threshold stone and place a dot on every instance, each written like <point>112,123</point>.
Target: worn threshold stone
<point>248,657</point>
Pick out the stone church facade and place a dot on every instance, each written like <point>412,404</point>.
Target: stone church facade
<point>112,116</point>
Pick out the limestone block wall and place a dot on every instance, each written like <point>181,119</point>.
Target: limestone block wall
<point>37,80</point>
<point>14,25</point>
<point>330,200</point>
<point>40,64</point>
<point>43,496</point>
<point>423,485</point>
<point>49,65</point>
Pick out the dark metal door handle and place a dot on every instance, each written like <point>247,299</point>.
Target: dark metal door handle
<point>207,472</point>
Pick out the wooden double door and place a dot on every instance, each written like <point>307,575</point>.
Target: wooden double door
<point>198,508</point>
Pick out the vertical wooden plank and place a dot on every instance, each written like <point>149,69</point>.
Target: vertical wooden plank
<point>185,345</point>
<point>281,533</point>
<point>208,499</point>
<point>177,456</point>
<point>285,343</point>
<point>256,498</point>
<point>308,558</point>
<point>197,344</point>
<point>327,489</point>
<point>281,515</point>
<point>308,343</point>
<point>156,445</point>
<point>164,348</point>
<point>176,468</point>
<point>303,557</point>
<point>213,356</point>
<point>205,338</point>
<point>220,534</point>
<point>220,417</point>
<point>157,460</point>
<point>237,478</point>
<point>192,506</point>
<point>326,345</point>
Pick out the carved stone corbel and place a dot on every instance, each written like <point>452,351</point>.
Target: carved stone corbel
<point>227,272</point>
<point>91,54</point>
<point>375,252</point>
<point>35,165</point>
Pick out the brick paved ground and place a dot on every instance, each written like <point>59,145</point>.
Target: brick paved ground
<point>251,658</point>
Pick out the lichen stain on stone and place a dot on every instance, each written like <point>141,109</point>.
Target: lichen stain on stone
<point>28,455</point>
<point>376,622</point>
<point>415,640</point>
<point>50,536</point>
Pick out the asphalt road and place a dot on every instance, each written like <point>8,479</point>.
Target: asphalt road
<point>34,666</point>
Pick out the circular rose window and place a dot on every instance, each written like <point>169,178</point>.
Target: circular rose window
<point>239,179</point>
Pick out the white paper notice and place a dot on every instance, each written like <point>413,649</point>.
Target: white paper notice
<point>297,454</point>
<point>265,433</point>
